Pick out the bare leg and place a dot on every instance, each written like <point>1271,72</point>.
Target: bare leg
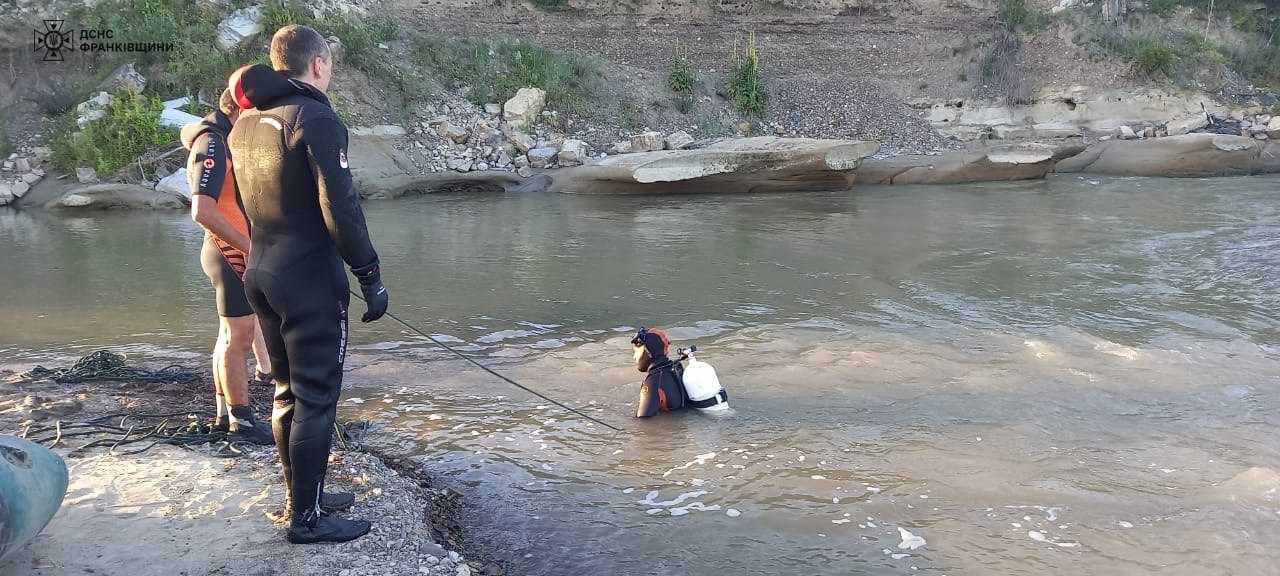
<point>260,349</point>
<point>235,382</point>
<point>219,374</point>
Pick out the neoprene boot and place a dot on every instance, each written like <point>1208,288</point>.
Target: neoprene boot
<point>325,528</point>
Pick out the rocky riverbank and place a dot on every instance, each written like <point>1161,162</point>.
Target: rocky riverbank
<point>171,511</point>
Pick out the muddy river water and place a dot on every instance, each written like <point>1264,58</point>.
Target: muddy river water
<point>1076,376</point>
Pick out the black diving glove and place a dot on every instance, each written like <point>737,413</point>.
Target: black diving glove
<point>375,294</point>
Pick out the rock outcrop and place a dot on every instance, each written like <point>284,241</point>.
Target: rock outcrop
<point>761,164</point>
<point>239,27</point>
<point>118,196</point>
<point>1191,155</point>
<point>996,164</point>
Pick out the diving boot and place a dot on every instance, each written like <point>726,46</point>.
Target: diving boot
<point>261,379</point>
<point>245,428</point>
<point>325,528</point>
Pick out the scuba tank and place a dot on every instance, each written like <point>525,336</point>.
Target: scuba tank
<point>701,383</point>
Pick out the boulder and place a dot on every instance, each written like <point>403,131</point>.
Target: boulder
<point>523,142</point>
<point>760,164</point>
<point>493,109</point>
<point>453,133</point>
<point>459,164</point>
<point>996,164</point>
<point>42,153</point>
<point>678,140</point>
<point>86,175</point>
<point>379,131</point>
<point>93,109</point>
<point>619,147</point>
<point>523,109</point>
<point>238,27</point>
<point>117,196</point>
<point>175,118</point>
<point>572,153</point>
<point>1187,124</point>
<point>30,178</point>
<point>542,157</point>
<point>1189,155</point>
<point>19,189</point>
<point>175,183</point>
<point>6,195</point>
<point>1126,133</point>
<point>1273,128</point>
<point>21,165</point>
<point>647,142</point>
<point>124,77</point>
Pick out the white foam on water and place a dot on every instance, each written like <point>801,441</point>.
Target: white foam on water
<point>909,541</point>
<point>501,335</point>
<point>653,511</point>
<point>617,452</point>
<point>649,498</point>
<point>817,477</point>
<point>871,524</point>
<point>698,460</point>
<point>841,521</point>
<point>697,482</point>
<point>1124,524</point>
<point>628,490</point>
<point>356,400</point>
<point>900,556</point>
<point>732,513</point>
<point>448,338</point>
<point>548,344</point>
<point>873,489</point>
<point>699,506</point>
<point>835,500</point>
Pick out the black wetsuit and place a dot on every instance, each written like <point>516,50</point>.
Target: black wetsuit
<point>662,389</point>
<point>207,173</point>
<point>291,167</point>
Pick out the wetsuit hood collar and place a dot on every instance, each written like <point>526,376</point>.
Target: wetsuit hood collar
<point>214,122</point>
<point>259,86</point>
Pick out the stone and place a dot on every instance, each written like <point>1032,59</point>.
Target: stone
<point>521,161</point>
<point>238,27</point>
<point>523,109</point>
<point>504,159</point>
<point>524,171</point>
<point>493,109</point>
<point>1126,133</point>
<point>448,131</point>
<point>464,570</point>
<point>175,183</point>
<point>8,165</point>
<point>572,153</point>
<point>542,157</point>
<point>1263,119</point>
<point>1260,136</point>
<point>177,102</point>
<point>459,165</point>
<point>175,118</point>
<point>6,196</point>
<point>760,164</point>
<point>1064,5</point>
<point>1003,163</point>
<point>1187,156</point>
<point>678,140</point>
<point>1187,124</point>
<point>93,108</point>
<point>31,178</point>
<point>19,189</point>
<point>86,175</point>
<point>481,166</point>
<point>42,152</point>
<point>124,77</point>
<point>1273,128</point>
<point>1237,115</point>
<point>1148,132</point>
<point>431,560</point>
<point>454,557</point>
<point>379,131</point>
<point>619,147</point>
<point>117,196</point>
<point>647,142</point>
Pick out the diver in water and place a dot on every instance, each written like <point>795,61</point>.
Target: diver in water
<point>306,222</point>
<point>661,390</point>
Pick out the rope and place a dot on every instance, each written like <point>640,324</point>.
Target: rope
<point>106,366</point>
<point>489,370</point>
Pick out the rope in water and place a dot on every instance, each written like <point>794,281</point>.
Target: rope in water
<point>105,365</point>
<point>491,371</point>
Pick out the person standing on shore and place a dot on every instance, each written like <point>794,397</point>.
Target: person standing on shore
<point>306,221</point>
<point>215,206</point>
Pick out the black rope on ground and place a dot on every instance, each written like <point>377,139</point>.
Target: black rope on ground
<point>490,370</point>
<point>107,366</point>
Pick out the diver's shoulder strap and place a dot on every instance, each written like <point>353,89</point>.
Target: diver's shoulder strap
<point>720,396</point>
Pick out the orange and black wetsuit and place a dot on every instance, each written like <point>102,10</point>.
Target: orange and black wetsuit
<point>662,390</point>
<point>209,173</point>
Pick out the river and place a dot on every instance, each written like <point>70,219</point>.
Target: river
<point>1079,375</point>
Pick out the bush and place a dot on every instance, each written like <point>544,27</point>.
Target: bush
<point>494,71</point>
<point>746,86</point>
<point>1015,14</point>
<point>681,77</point>
<point>1154,56</point>
<point>130,128</point>
<point>551,4</point>
<point>1257,61</point>
<point>1002,68</point>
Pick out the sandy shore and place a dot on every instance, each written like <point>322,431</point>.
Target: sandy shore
<point>175,511</point>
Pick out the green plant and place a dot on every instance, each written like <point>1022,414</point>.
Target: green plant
<point>551,4</point>
<point>277,14</point>
<point>493,71</point>
<point>1002,68</point>
<point>1153,55</point>
<point>746,85</point>
<point>681,78</point>
<point>1164,7</point>
<point>130,128</point>
<point>1015,14</point>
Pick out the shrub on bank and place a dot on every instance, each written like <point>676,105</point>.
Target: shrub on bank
<point>495,70</point>
<point>130,128</point>
<point>746,84</point>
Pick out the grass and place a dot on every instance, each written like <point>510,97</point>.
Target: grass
<point>493,71</point>
<point>681,80</point>
<point>1016,14</point>
<point>1154,56</point>
<point>6,147</point>
<point>551,5</point>
<point>130,128</point>
<point>1002,68</point>
<point>746,84</point>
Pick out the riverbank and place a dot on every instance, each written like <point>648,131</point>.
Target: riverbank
<point>193,511</point>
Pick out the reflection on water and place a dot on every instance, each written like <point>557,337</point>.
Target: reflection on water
<point>1054,377</point>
